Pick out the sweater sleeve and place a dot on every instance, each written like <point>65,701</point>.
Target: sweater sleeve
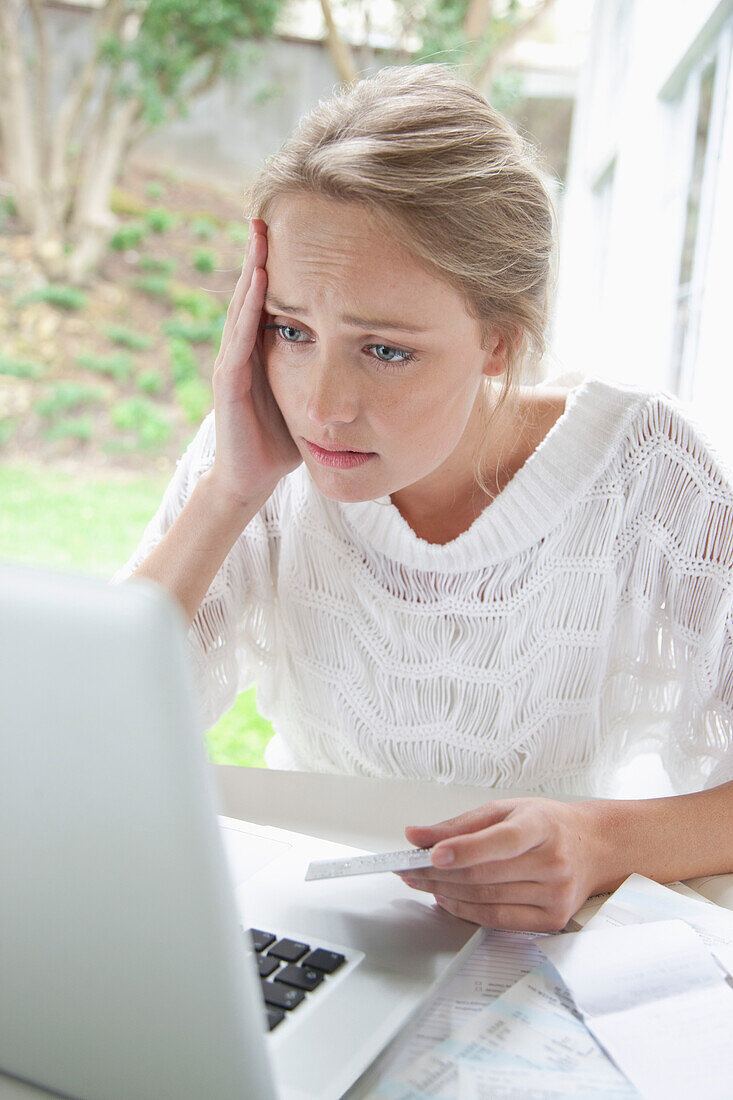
<point>231,640</point>
<point>682,575</point>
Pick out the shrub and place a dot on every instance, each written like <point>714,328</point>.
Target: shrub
<point>118,366</point>
<point>204,260</point>
<point>199,303</point>
<point>67,397</point>
<point>157,285</point>
<point>203,227</point>
<point>202,332</point>
<point>73,428</point>
<point>137,415</point>
<point>154,189</point>
<point>63,297</point>
<point>19,368</point>
<point>184,364</point>
<point>123,203</point>
<point>7,429</point>
<point>128,236</point>
<point>150,381</point>
<point>128,338</point>
<point>238,233</point>
<point>152,263</point>
<point>160,220</point>
<point>195,398</point>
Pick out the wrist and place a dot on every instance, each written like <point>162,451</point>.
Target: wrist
<point>665,839</point>
<point>227,505</point>
<point>609,832</point>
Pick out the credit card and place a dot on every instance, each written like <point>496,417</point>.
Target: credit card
<point>408,860</point>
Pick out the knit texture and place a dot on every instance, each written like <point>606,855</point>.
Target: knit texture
<point>584,617</point>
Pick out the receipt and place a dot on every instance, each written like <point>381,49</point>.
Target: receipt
<point>528,1044</point>
<point>658,1002</point>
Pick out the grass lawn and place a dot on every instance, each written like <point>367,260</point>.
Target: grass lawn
<point>92,526</point>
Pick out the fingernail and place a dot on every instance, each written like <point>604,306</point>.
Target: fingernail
<point>443,857</point>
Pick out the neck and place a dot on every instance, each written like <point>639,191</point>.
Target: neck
<point>447,501</point>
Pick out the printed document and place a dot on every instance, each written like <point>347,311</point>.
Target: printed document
<point>527,1043</point>
<point>500,959</point>
<point>657,1001</point>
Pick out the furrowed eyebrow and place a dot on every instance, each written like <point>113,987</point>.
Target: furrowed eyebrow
<point>359,322</point>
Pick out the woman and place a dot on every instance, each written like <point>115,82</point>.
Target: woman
<point>429,569</point>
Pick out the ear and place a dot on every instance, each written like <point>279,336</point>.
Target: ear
<point>495,362</point>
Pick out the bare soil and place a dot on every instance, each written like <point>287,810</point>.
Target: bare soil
<point>53,337</point>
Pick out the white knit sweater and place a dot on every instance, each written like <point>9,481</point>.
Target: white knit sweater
<point>584,617</point>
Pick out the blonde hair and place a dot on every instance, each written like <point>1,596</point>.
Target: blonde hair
<point>451,179</point>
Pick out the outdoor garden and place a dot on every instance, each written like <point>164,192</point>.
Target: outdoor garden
<point>101,388</point>
<point>115,275</point>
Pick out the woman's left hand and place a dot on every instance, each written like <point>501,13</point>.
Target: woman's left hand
<point>523,863</point>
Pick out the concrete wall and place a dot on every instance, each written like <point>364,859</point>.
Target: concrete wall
<point>232,127</point>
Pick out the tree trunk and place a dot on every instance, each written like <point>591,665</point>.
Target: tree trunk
<point>340,51</point>
<point>93,221</point>
<point>476,20</point>
<point>68,120</point>
<point>60,201</point>
<point>20,132</point>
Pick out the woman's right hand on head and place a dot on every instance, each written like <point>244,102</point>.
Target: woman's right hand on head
<point>254,448</point>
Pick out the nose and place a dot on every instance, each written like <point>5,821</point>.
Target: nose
<point>331,396</point>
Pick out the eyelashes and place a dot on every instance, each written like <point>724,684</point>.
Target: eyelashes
<point>407,356</point>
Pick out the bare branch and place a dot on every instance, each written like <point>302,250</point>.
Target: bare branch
<point>487,72</point>
<point>209,79</point>
<point>478,14</point>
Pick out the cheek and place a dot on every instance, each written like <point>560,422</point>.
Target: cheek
<point>277,379</point>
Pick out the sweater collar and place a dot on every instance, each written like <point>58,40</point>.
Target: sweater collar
<point>565,464</point>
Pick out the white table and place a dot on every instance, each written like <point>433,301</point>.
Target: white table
<point>348,809</point>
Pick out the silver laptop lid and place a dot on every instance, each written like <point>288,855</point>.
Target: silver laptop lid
<point>107,813</point>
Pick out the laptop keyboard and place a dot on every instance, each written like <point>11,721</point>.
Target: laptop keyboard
<point>289,969</point>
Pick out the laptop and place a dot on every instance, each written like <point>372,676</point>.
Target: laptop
<point>151,949</point>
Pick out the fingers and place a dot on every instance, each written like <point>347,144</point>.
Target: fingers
<point>427,835</point>
<point>498,830</point>
<point>516,918</point>
<point>254,257</point>
<point>530,867</point>
<point>485,893</point>
<point>244,333</point>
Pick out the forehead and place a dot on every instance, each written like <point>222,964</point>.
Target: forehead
<point>320,247</point>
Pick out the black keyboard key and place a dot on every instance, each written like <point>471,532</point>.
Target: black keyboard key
<point>266,965</point>
<point>260,939</point>
<point>289,950</point>
<point>326,961</point>
<point>281,996</point>
<point>275,1016</point>
<point>302,977</point>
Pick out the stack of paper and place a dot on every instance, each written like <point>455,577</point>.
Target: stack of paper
<point>647,987</point>
<point>657,1001</point>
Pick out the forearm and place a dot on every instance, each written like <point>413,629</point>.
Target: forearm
<point>666,839</point>
<point>187,558</point>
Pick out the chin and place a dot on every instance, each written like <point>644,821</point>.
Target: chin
<point>345,493</point>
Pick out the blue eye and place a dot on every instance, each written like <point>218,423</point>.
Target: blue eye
<point>407,356</point>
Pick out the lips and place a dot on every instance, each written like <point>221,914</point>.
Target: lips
<point>337,447</point>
